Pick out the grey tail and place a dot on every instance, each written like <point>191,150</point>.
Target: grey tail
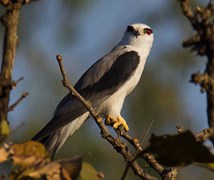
<point>54,141</point>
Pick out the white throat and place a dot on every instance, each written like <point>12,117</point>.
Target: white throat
<point>142,41</point>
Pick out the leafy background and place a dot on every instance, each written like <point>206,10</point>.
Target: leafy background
<point>83,31</point>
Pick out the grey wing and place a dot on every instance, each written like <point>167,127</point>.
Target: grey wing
<point>99,82</point>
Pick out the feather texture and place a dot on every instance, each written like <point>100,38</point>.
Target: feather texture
<point>105,84</point>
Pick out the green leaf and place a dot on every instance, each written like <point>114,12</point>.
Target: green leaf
<point>4,129</point>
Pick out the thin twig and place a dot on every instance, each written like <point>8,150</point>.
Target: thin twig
<point>137,150</point>
<point>4,83</point>
<point>13,106</point>
<point>205,134</point>
<point>149,158</point>
<point>143,139</point>
<point>68,85</point>
<point>14,83</point>
<point>117,143</point>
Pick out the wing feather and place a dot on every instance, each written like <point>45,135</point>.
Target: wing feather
<point>99,82</point>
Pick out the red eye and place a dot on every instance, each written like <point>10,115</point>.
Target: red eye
<point>147,31</point>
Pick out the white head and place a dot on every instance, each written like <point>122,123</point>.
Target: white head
<point>138,35</point>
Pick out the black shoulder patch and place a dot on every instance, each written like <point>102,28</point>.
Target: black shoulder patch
<point>121,70</point>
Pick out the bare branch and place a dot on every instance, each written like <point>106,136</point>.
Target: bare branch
<point>68,85</point>
<point>138,147</point>
<point>13,106</point>
<point>117,143</point>
<point>205,134</point>
<point>14,83</point>
<point>203,43</point>
<point>10,21</point>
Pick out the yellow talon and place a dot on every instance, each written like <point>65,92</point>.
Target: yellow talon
<point>120,121</point>
<point>116,122</point>
<point>109,120</point>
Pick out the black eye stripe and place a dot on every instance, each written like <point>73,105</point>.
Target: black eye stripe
<point>130,29</point>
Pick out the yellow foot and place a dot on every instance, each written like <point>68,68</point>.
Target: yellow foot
<point>116,122</point>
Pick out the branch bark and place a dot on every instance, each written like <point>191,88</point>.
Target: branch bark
<point>203,43</point>
<point>120,146</point>
<point>205,134</point>
<point>13,106</point>
<point>10,21</point>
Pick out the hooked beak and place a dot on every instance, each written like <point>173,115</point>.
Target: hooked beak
<point>137,33</point>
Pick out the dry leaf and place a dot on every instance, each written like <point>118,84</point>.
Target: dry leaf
<point>63,169</point>
<point>50,171</point>
<point>72,166</point>
<point>28,153</point>
<point>23,155</point>
<point>3,155</point>
<point>179,150</point>
<point>30,160</point>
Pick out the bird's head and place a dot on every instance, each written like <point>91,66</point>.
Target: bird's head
<point>138,35</point>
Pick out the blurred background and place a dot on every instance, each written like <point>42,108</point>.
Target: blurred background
<point>83,31</point>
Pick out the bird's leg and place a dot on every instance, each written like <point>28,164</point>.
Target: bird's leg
<point>116,122</point>
<point>121,121</point>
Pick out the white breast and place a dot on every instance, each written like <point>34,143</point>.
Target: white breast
<point>113,104</point>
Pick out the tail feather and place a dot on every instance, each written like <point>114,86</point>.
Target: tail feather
<point>53,142</point>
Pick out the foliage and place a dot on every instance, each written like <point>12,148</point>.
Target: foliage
<point>180,150</point>
<point>30,160</point>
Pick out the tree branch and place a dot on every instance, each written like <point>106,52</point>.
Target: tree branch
<point>120,146</point>
<point>203,43</point>
<point>205,134</point>
<point>149,158</point>
<point>13,106</point>
<point>10,21</point>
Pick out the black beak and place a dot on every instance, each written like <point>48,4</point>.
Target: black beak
<point>136,33</point>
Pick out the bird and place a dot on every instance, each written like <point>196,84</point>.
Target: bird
<point>105,85</point>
